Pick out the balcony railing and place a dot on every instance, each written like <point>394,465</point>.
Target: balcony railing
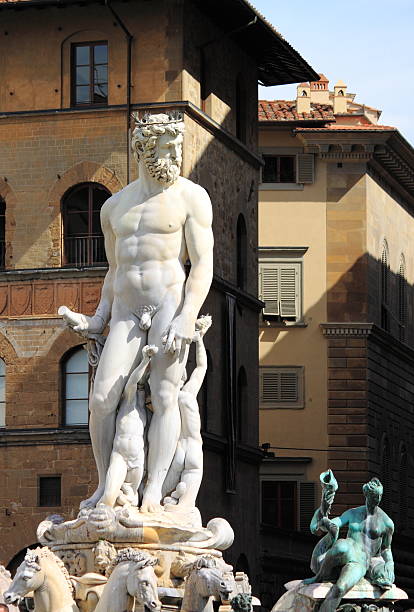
<point>84,251</point>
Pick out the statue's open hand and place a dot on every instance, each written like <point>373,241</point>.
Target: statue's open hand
<point>178,335</point>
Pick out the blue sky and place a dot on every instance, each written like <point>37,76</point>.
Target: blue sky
<point>369,45</point>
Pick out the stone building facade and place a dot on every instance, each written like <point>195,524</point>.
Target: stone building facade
<point>336,218</point>
<point>64,127</point>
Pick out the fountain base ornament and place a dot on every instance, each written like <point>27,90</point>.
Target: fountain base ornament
<point>352,574</point>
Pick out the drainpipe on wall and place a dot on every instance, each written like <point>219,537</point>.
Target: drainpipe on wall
<point>129,39</point>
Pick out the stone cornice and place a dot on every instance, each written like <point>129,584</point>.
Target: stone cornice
<point>375,334</point>
<point>80,435</point>
<point>36,437</point>
<point>184,106</point>
<point>386,152</point>
<point>339,330</point>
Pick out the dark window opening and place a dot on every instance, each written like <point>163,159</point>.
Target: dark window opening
<point>279,504</point>
<point>90,73</point>
<point>402,301</point>
<point>403,490</point>
<point>83,241</point>
<point>385,269</point>
<point>386,476</point>
<point>241,252</point>
<point>2,233</point>
<point>49,491</point>
<point>279,169</point>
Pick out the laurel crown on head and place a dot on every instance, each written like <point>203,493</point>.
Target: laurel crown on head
<point>150,119</point>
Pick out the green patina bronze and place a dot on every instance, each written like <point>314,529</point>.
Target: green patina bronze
<point>366,550</point>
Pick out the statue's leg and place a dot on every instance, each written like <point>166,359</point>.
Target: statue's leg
<point>351,573</point>
<point>166,372</point>
<point>115,477</point>
<point>120,355</point>
<point>193,464</point>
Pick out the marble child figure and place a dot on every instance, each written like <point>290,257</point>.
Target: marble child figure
<point>151,228</point>
<point>187,466</point>
<point>365,552</point>
<point>126,465</point>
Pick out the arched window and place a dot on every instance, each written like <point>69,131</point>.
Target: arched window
<point>241,404</point>
<point>385,273</point>
<point>2,233</point>
<point>386,475</point>
<point>2,393</point>
<point>83,242</point>
<point>75,387</point>
<point>403,489</point>
<point>402,299</point>
<point>241,252</point>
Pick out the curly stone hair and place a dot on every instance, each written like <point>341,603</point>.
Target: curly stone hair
<point>241,602</point>
<point>131,554</point>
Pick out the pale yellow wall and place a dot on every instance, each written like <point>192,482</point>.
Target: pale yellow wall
<point>298,218</point>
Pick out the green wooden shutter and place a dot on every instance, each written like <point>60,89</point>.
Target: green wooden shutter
<point>269,282</point>
<point>270,386</point>
<point>305,168</point>
<point>281,387</point>
<point>306,504</point>
<point>289,386</point>
<point>289,290</point>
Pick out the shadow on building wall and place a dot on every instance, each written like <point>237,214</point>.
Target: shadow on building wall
<point>369,335</point>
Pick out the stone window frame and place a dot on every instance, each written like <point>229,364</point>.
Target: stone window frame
<point>73,66</point>
<point>91,186</point>
<point>304,168</point>
<point>44,477</point>
<point>63,399</point>
<point>297,377</point>
<point>283,257</point>
<point>290,469</point>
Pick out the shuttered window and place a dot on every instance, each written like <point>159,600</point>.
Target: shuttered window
<point>297,168</point>
<point>279,288</point>
<point>287,504</point>
<point>281,387</point>
<point>305,168</point>
<point>307,505</point>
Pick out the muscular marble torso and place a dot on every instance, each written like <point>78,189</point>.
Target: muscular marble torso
<point>148,243</point>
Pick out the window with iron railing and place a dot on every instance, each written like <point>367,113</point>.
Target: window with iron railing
<point>83,240</point>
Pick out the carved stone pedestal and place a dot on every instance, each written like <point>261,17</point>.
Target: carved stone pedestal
<point>179,549</point>
<point>362,598</point>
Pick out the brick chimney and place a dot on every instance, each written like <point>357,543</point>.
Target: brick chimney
<point>303,101</point>
<point>319,90</point>
<point>340,103</point>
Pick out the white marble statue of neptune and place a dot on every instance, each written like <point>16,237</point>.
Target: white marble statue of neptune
<point>151,228</point>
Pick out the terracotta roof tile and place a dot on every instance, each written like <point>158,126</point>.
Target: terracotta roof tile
<point>285,110</point>
<point>349,128</point>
